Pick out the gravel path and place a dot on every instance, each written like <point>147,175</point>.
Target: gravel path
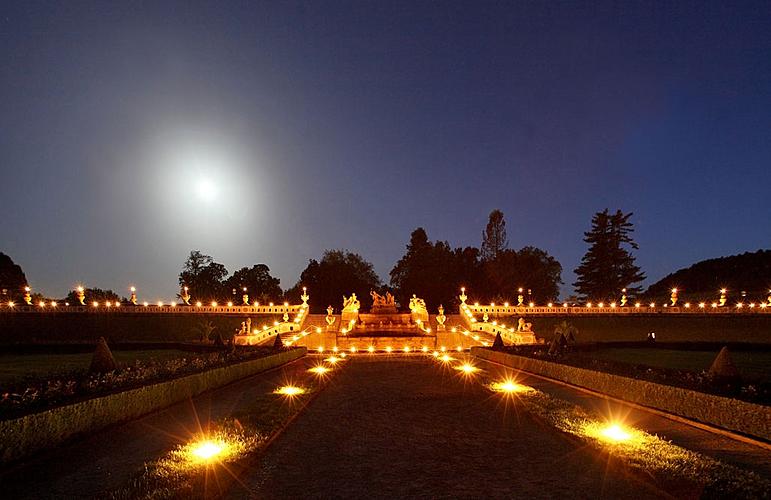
<point>406,427</point>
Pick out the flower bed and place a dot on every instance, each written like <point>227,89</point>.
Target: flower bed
<point>30,433</point>
<point>651,455</point>
<point>728,413</point>
<point>757,392</point>
<point>240,438</point>
<point>41,393</point>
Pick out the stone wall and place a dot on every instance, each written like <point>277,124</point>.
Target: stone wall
<point>731,414</point>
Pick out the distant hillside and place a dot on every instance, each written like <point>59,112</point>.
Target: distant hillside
<point>749,272</point>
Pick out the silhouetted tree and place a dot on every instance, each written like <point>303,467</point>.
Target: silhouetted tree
<point>467,271</point>
<point>93,294</point>
<point>501,277</point>
<point>494,239</point>
<point>435,272</point>
<point>260,285</point>
<point>749,272</point>
<point>12,279</point>
<point>204,277</point>
<point>530,268</point>
<point>338,273</point>
<point>429,270</point>
<point>538,272</point>
<point>607,266</point>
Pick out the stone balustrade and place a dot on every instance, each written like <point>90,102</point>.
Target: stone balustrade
<point>155,309</point>
<point>510,335</point>
<point>559,309</point>
<point>258,336</point>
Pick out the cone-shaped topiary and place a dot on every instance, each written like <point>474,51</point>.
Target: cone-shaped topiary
<point>498,342</point>
<point>723,367</point>
<point>278,343</point>
<point>102,360</point>
<point>557,344</point>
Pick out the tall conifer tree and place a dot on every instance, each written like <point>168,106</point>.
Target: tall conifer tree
<point>608,266</point>
<point>494,239</point>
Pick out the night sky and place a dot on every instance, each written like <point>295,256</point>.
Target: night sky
<point>134,132</point>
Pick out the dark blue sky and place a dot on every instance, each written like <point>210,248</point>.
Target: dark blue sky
<point>347,124</point>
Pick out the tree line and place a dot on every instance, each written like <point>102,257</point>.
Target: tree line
<point>433,270</point>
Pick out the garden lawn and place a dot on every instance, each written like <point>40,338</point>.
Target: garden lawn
<point>753,365</point>
<point>14,367</point>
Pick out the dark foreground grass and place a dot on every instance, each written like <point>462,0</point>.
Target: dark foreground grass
<point>752,365</point>
<point>14,367</point>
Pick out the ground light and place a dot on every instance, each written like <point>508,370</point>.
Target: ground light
<point>319,370</point>
<point>467,368</point>
<point>446,358</point>
<point>508,386</point>
<point>613,433</point>
<point>289,390</point>
<point>333,359</point>
<point>206,451</point>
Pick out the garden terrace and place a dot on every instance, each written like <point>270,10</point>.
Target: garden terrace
<point>678,365</point>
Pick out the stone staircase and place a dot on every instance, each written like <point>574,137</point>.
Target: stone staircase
<point>319,321</point>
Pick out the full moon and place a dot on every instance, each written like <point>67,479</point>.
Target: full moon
<point>206,189</point>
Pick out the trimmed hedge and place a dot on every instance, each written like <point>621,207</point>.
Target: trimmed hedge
<point>732,414</point>
<point>26,435</point>
<point>62,326</point>
<point>668,328</point>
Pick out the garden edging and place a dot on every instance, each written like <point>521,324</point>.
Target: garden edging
<point>30,433</point>
<point>732,414</point>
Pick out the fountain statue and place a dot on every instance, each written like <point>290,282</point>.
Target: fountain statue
<point>524,327</point>
<point>463,297</point>
<point>350,310</point>
<point>382,304</point>
<point>440,319</point>
<point>418,311</point>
